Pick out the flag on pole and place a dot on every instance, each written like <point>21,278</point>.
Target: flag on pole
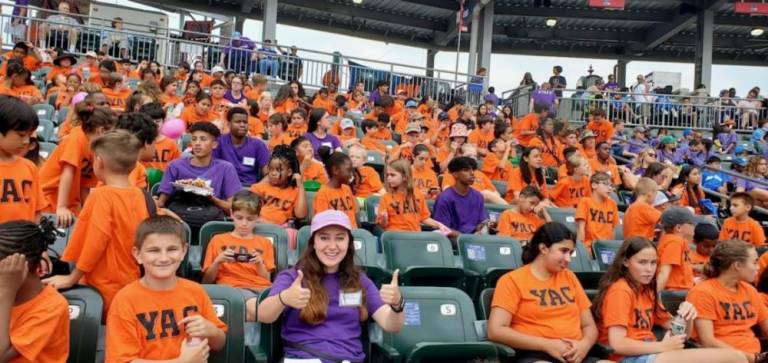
<point>460,16</point>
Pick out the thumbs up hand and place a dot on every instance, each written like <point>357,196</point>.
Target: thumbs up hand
<point>296,296</point>
<point>390,293</point>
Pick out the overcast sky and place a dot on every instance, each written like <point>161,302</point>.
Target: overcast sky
<point>506,71</point>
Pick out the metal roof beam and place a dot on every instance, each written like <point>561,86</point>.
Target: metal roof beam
<point>568,34</point>
<point>751,21</point>
<point>367,13</point>
<point>626,15</point>
<point>683,18</point>
<point>440,4</point>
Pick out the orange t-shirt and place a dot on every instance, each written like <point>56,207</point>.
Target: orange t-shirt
<point>327,104</point>
<point>54,89</point>
<point>370,182</point>
<point>600,217</point>
<point>482,182</point>
<point>283,139</point>
<point>634,310</point>
<point>238,274</point>
<point>567,192</point>
<point>169,99</point>
<point>550,152</point>
<point>219,107</point>
<point>277,203</point>
<point>340,199</point>
<point>315,171</point>
<point>603,130</point>
<point>733,313</point>
<point>697,259</point>
<point>206,81</point>
<point>404,214</point>
<point>425,180</point>
<point>64,98</point>
<point>144,323</point>
<point>166,150</point>
<point>529,122</point>
<point>255,127</point>
<point>516,183</point>
<point>287,106</point>
<point>518,225</point>
<point>39,328</point>
<point>547,309</point>
<point>253,94</point>
<point>137,177</point>
<point>610,168</point>
<point>294,132</point>
<point>30,63</point>
<point>675,251</point>
<point>480,138</point>
<point>762,263</point>
<point>400,121</point>
<point>28,90</point>
<point>372,144</point>
<point>116,98</point>
<point>640,220</point>
<point>684,201</point>
<point>22,194</point>
<point>747,231</point>
<point>57,70</point>
<point>382,134</point>
<point>102,241</point>
<point>74,150</point>
<point>190,116</point>
<point>492,170</point>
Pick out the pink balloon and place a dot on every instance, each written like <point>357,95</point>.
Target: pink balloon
<point>173,128</point>
<point>78,98</point>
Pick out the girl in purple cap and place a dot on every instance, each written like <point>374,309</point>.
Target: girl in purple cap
<point>325,297</point>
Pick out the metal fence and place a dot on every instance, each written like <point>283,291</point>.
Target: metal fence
<point>169,47</point>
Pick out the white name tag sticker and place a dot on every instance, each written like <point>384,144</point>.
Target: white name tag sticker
<point>330,145</point>
<point>249,161</point>
<point>347,299</point>
<point>270,239</point>
<point>358,244</point>
<point>448,309</point>
<point>505,251</point>
<point>219,310</point>
<point>570,219</point>
<point>433,247</point>
<point>371,158</point>
<point>41,112</point>
<point>74,312</point>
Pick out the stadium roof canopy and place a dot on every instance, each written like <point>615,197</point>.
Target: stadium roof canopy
<point>661,30</point>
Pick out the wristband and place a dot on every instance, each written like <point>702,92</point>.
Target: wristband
<point>280,297</point>
<point>399,307</point>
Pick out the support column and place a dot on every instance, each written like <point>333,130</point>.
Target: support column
<point>704,29</point>
<point>474,33</point>
<point>239,22</point>
<point>431,53</point>
<point>486,42</point>
<point>269,24</point>
<point>621,73</point>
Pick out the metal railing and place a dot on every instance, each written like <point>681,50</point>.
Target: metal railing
<point>169,47</point>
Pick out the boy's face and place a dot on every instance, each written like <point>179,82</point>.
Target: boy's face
<point>203,144</point>
<point>275,128</point>
<point>602,189</point>
<point>382,125</point>
<point>14,142</point>
<point>714,165</point>
<point>526,204</point>
<point>244,222</point>
<point>685,230</point>
<point>218,91</point>
<point>705,246</point>
<point>412,137</point>
<point>739,208</point>
<point>465,176</point>
<point>160,255</point>
<point>358,159</point>
<point>238,126</point>
<point>604,152</point>
<point>297,120</point>
<point>147,152</point>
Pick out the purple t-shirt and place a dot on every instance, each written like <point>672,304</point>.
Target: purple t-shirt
<point>248,158</point>
<point>635,145</point>
<point>339,334</point>
<point>231,98</point>
<point>726,139</point>
<point>674,157</point>
<point>747,185</point>
<point>329,140</point>
<point>222,175</point>
<point>460,213</point>
<point>544,97</point>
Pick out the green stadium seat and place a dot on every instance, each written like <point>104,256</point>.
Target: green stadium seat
<point>230,309</point>
<point>371,208</point>
<point>604,251</point>
<point>85,310</point>
<point>495,210</point>
<point>486,258</point>
<point>566,216</point>
<point>184,141</point>
<point>52,99</point>
<point>45,130</point>
<point>366,253</point>
<point>424,258</point>
<point>484,303</point>
<point>376,160</point>
<point>274,233</point>
<point>439,326</point>
<point>501,186</point>
<point>44,111</point>
<point>672,300</point>
<point>584,267</point>
<point>389,144</point>
<point>46,149</point>
<point>61,115</point>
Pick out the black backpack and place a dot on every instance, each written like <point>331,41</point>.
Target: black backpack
<point>194,209</point>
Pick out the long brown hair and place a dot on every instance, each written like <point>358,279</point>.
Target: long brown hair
<point>724,255</point>
<point>617,270</point>
<point>403,167</point>
<point>349,281</point>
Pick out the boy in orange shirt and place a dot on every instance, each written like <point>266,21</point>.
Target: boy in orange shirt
<point>525,216</point>
<point>675,271</point>
<point>705,237</point>
<point>240,258</point>
<point>483,135</point>
<point>161,317</point>
<point>166,149</point>
<point>569,190</point>
<point>276,127</point>
<point>597,216</point>
<point>366,179</point>
<point>259,86</point>
<point>117,92</point>
<point>496,163</point>
<point>526,128</point>
<point>740,225</point>
<point>383,133</point>
<point>600,126</point>
<point>22,195</point>
<point>35,318</point>
<point>641,217</point>
<point>100,244</point>
<point>368,141</point>
<point>297,125</point>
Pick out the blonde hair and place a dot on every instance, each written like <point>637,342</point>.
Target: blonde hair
<point>357,149</point>
<point>573,162</point>
<point>246,201</point>
<point>403,167</point>
<point>640,159</point>
<point>645,186</point>
<point>119,149</point>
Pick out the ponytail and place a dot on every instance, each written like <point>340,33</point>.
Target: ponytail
<point>724,255</point>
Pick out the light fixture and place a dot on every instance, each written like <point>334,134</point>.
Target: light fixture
<point>357,1</point>
<point>551,22</point>
<point>756,32</point>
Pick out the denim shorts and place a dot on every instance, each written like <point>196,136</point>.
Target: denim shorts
<point>646,358</point>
